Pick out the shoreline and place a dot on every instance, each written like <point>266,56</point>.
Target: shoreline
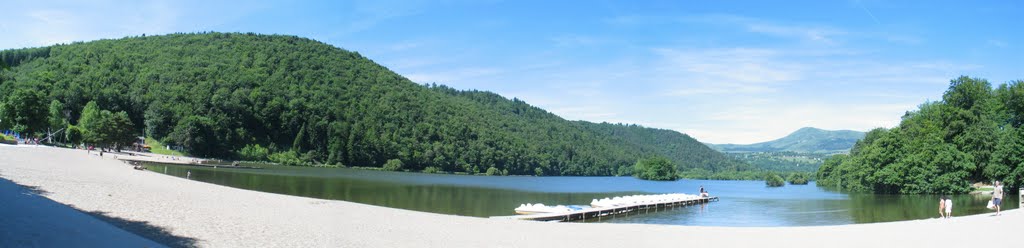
<point>219,216</point>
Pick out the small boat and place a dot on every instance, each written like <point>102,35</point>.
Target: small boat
<point>540,208</point>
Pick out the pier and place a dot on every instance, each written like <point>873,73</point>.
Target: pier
<point>603,212</point>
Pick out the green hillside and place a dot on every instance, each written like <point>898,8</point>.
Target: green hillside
<point>973,134</point>
<point>804,140</point>
<point>296,100</point>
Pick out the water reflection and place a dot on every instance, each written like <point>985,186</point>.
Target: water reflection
<point>743,203</point>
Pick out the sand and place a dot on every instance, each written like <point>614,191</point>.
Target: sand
<point>180,212</point>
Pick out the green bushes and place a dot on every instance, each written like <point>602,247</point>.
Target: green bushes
<point>290,158</point>
<point>432,169</point>
<point>493,171</point>
<point>254,152</point>
<point>797,179</point>
<point>657,168</point>
<point>393,165</point>
<point>774,180</point>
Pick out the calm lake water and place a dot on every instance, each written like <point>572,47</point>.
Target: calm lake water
<point>742,203</point>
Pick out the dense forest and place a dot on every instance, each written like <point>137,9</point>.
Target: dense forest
<point>298,101</point>
<point>973,134</point>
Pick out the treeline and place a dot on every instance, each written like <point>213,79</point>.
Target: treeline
<point>299,101</point>
<point>973,134</point>
<point>782,161</point>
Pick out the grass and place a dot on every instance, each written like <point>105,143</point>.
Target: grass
<point>160,148</point>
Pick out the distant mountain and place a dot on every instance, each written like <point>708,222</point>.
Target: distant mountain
<point>804,140</point>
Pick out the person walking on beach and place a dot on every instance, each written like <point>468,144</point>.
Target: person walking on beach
<point>949,207</point>
<point>188,175</point>
<point>997,196</point>
<point>942,207</point>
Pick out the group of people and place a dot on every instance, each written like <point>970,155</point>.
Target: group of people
<point>946,203</point>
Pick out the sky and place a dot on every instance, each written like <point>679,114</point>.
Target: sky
<point>720,71</point>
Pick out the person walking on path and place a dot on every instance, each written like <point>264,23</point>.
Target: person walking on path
<point>949,207</point>
<point>997,196</point>
<point>942,207</point>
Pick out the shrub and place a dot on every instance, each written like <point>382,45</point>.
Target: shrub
<point>493,171</point>
<point>393,165</point>
<point>658,168</point>
<point>254,152</point>
<point>289,158</point>
<point>774,180</point>
<point>431,169</point>
<point>797,179</point>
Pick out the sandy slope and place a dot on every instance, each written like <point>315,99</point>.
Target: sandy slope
<point>183,212</point>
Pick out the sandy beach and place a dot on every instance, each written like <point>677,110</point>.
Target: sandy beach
<point>180,212</point>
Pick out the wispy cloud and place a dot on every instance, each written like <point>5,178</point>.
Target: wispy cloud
<point>806,32</point>
<point>570,40</point>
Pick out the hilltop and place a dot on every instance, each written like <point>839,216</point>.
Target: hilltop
<point>804,140</point>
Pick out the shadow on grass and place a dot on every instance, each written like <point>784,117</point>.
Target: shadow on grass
<point>144,229</point>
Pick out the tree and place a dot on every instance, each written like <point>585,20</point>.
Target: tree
<point>25,110</point>
<point>774,180</point>
<point>73,135</point>
<point>89,122</point>
<point>657,168</point>
<point>6,122</point>
<point>122,132</point>
<point>158,120</point>
<point>197,135</point>
<point>56,116</point>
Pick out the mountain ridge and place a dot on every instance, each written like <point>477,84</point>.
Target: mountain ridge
<point>803,140</point>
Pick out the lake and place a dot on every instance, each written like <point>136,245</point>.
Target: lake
<point>742,203</point>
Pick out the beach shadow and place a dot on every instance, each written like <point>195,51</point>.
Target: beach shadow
<point>35,190</point>
<point>142,228</point>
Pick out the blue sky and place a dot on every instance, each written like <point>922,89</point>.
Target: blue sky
<point>720,71</point>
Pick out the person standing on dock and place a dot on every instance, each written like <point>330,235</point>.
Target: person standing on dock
<point>997,196</point>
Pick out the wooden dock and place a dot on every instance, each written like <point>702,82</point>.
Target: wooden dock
<point>598,213</point>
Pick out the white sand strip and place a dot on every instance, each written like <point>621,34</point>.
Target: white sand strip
<point>221,216</point>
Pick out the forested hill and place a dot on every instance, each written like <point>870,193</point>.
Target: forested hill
<point>973,134</point>
<point>804,140</point>
<point>289,99</point>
